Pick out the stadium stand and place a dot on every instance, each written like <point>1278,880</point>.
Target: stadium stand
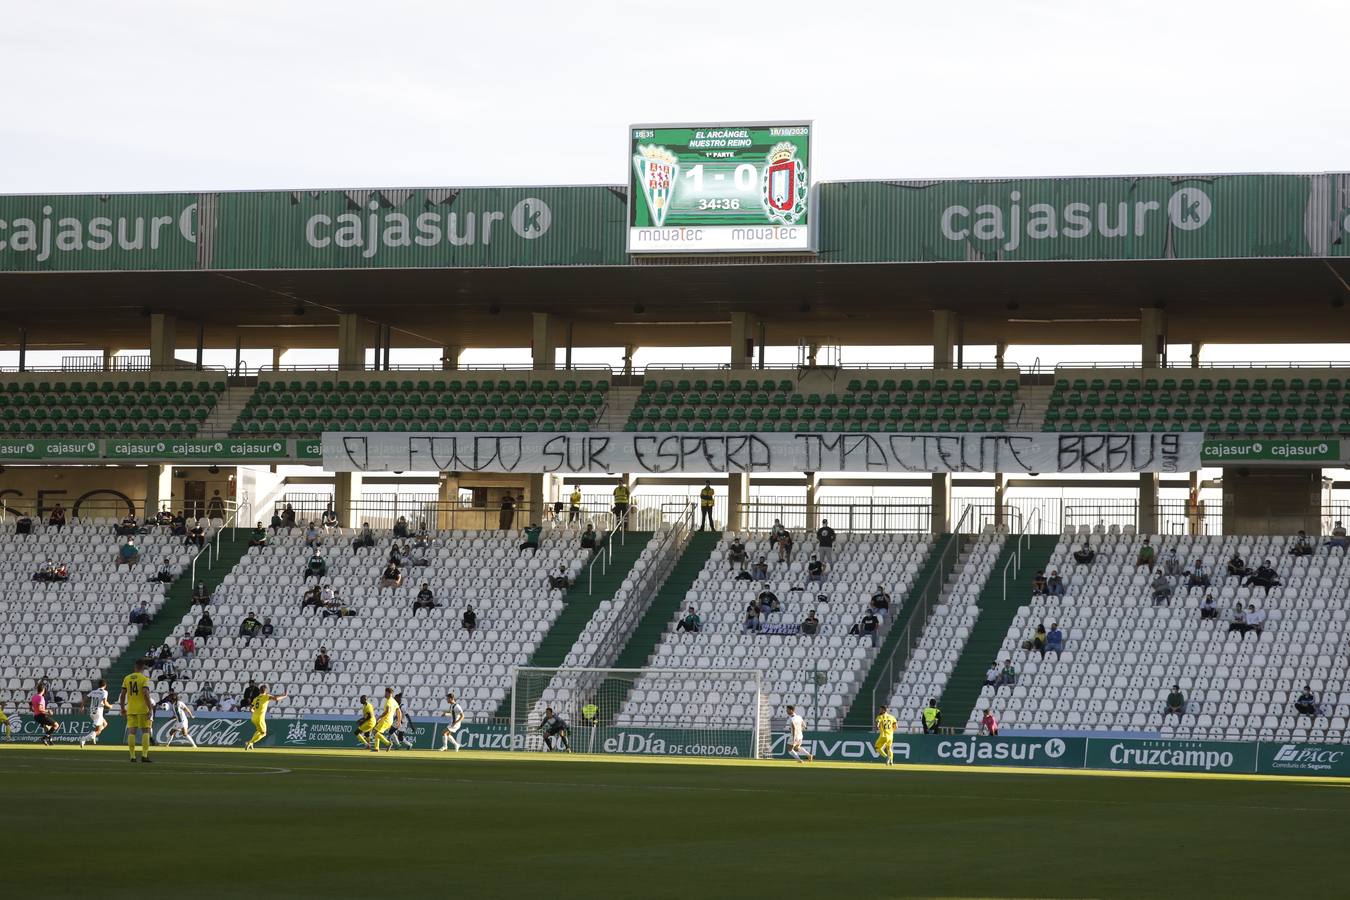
<point>945,634</point>
<point>1234,402</point>
<point>286,405</point>
<point>385,642</point>
<point>878,401</point>
<point>1123,653</point>
<point>861,564</point>
<point>111,406</point>
<point>69,632</point>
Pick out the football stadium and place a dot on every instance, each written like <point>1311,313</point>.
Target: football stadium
<point>719,531</point>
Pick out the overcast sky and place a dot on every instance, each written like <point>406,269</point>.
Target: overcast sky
<point>166,95</point>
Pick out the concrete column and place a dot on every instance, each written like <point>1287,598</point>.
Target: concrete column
<point>534,497</point>
<point>163,341</point>
<point>1152,328</point>
<point>1196,347</point>
<point>158,488</point>
<point>1000,352</point>
<point>944,337</point>
<point>942,502</point>
<point>277,354</point>
<point>544,345</point>
<point>351,346</point>
<point>812,510</point>
<point>450,357</point>
<point>1000,494</point>
<point>1148,503</point>
<point>742,339</point>
<point>109,353</point>
<point>346,492</point>
<point>1195,515</point>
<point>447,497</point>
<point>628,351</point>
<point>738,494</point>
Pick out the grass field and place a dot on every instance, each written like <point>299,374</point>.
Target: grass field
<point>334,824</point>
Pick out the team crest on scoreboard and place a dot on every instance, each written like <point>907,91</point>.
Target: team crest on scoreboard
<point>785,187</point>
<point>657,168</point>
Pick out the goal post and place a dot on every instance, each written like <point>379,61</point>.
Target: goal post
<point>721,713</point>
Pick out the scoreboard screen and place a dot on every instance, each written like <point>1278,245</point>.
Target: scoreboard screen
<point>719,188</point>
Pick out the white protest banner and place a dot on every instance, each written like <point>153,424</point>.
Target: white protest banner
<point>591,453</point>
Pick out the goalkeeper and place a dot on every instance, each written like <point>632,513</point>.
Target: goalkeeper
<point>554,726</point>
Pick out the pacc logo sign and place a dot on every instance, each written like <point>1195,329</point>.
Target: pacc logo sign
<point>1188,209</point>
<point>1306,757</point>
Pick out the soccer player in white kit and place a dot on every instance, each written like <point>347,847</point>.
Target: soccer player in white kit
<point>449,734</point>
<point>796,731</point>
<point>181,713</point>
<point>98,702</point>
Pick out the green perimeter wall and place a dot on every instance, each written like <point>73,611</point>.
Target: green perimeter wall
<point>1121,754</point>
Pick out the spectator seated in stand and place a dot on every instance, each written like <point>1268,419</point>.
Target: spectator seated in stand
<point>1176,703</point>
<point>1264,577</point>
<point>867,626</point>
<point>1256,618</point>
<point>1338,537</point>
<point>531,534</point>
<point>51,572</point>
<point>24,525</point>
<point>200,595</point>
<point>128,526</point>
<point>425,600</point>
<point>1009,674</point>
<point>751,620</point>
<point>364,538</point>
<point>330,518</point>
<point>205,627</point>
<point>991,674</point>
<point>1238,566</point>
<point>690,622</point>
<point>317,566</point>
<point>1237,619</point>
<point>760,570</point>
<point>1306,704</point>
<point>275,524</point>
<point>776,534</point>
<point>288,516</point>
<point>313,536</point>
<point>559,580</point>
<point>1198,576</point>
<point>767,599</point>
<point>811,624</point>
<point>1085,556</point>
<point>1054,640</point>
<point>187,647</point>
<point>815,571</point>
<point>1038,584</point>
<point>1146,554</point>
<point>178,524</point>
<point>401,528</point>
<point>336,608</point>
<point>267,630</point>
<point>1037,642</point>
<point>1171,564</point>
<point>128,554</point>
<point>880,601</point>
<point>736,555</point>
<point>322,662</point>
<point>196,537</point>
<point>312,597</point>
<point>1162,588</point>
<point>468,621</point>
<point>1208,608</point>
<point>140,614</point>
<point>58,517</point>
<point>1054,585</point>
<point>392,576</point>
<point>1302,546</point>
<point>589,539</point>
<point>250,627</point>
<point>258,537</point>
<point>165,573</point>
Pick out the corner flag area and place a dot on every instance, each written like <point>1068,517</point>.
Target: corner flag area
<point>331,823</point>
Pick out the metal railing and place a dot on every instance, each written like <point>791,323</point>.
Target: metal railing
<point>927,595</point>
<point>857,517</point>
<point>1022,540</point>
<point>212,547</point>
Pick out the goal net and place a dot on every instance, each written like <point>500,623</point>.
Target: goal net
<point>661,712</point>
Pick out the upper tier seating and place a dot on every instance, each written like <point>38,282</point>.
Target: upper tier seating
<point>112,405</point>
<point>298,405</point>
<point>868,401</point>
<point>1123,654</point>
<point>861,564</point>
<point>71,631</point>
<point>1232,402</point>
<point>944,636</point>
<point>386,643</point>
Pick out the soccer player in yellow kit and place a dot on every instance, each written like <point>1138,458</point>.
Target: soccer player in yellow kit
<point>886,725</point>
<point>389,713</point>
<point>366,724</point>
<point>260,704</point>
<point>136,708</point>
<point>5,726</point>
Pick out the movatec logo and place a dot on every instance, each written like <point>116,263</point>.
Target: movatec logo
<point>1188,209</point>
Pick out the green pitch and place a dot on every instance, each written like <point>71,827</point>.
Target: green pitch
<point>334,824</point>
